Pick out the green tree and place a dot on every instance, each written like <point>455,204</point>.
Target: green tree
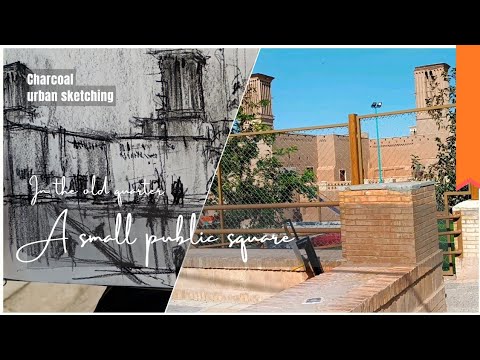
<point>252,173</point>
<point>443,171</point>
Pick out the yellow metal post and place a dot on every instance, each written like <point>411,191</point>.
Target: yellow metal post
<point>354,153</point>
<point>220,199</point>
<point>319,209</point>
<point>474,192</point>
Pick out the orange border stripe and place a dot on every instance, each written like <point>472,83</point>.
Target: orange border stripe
<point>468,111</point>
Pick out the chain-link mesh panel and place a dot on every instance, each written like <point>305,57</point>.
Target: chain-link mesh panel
<point>281,167</point>
<point>418,145</point>
<point>310,166</point>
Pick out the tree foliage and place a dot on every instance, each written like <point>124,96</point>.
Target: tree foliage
<point>443,171</point>
<point>252,172</point>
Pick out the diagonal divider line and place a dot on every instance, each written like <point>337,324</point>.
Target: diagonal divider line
<point>214,174</point>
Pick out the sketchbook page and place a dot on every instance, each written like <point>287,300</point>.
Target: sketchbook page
<point>101,193</point>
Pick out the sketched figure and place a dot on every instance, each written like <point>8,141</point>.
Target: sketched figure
<point>173,191</point>
<point>151,197</point>
<point>71,247</point>
<point>177,192</point>
<point>99,230</point>
<point>57,250</point>
<point>178,255</point>
<point>136,197</point>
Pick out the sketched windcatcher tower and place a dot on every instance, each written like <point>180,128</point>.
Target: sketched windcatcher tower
<point>180,116</point>
<point>181,74</point>
<point>180,120</point>
<point>180,96</point>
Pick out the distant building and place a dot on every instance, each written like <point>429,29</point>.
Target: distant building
<point>329,155</point>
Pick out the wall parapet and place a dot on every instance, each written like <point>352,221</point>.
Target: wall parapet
<point>467,264</point>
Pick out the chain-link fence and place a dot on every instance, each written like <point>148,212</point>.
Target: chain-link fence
<point>291,174</point>
<point>267,177</point>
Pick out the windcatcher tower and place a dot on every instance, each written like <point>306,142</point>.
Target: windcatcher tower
<point>259,88</point>
<point>430,82</point>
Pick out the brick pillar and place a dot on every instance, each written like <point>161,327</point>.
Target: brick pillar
<point>467,264</point>
<point>392,223</point>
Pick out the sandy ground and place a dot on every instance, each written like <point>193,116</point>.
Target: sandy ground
<point>21,296</point>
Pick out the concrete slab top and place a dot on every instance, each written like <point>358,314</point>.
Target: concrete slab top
<point>397,186</point>
<point>467,204</point>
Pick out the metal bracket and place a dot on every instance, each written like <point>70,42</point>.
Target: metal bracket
<point>312,262</point>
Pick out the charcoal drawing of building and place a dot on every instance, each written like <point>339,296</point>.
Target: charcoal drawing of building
<point>174,150</point>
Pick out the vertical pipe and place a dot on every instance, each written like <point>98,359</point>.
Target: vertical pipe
<point>446,209</point>
<point>460,237</point>
<point>360,152</point>
<point>379,153</point>
<point>319,209</point>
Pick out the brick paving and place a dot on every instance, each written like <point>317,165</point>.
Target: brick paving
<point>462,295</point>
<point>357,288</point>
<point>328,288</point>
<point>192,306</point>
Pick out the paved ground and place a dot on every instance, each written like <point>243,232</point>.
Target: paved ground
<point>21,296</point>
<point>462,295</point>
<point>192,306</point>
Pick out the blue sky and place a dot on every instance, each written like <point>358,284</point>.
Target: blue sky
<point>322,86</point>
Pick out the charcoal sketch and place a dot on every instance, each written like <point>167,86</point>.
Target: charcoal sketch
<point>173,112</point>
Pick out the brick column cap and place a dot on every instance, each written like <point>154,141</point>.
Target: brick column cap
<point>396,186</point>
